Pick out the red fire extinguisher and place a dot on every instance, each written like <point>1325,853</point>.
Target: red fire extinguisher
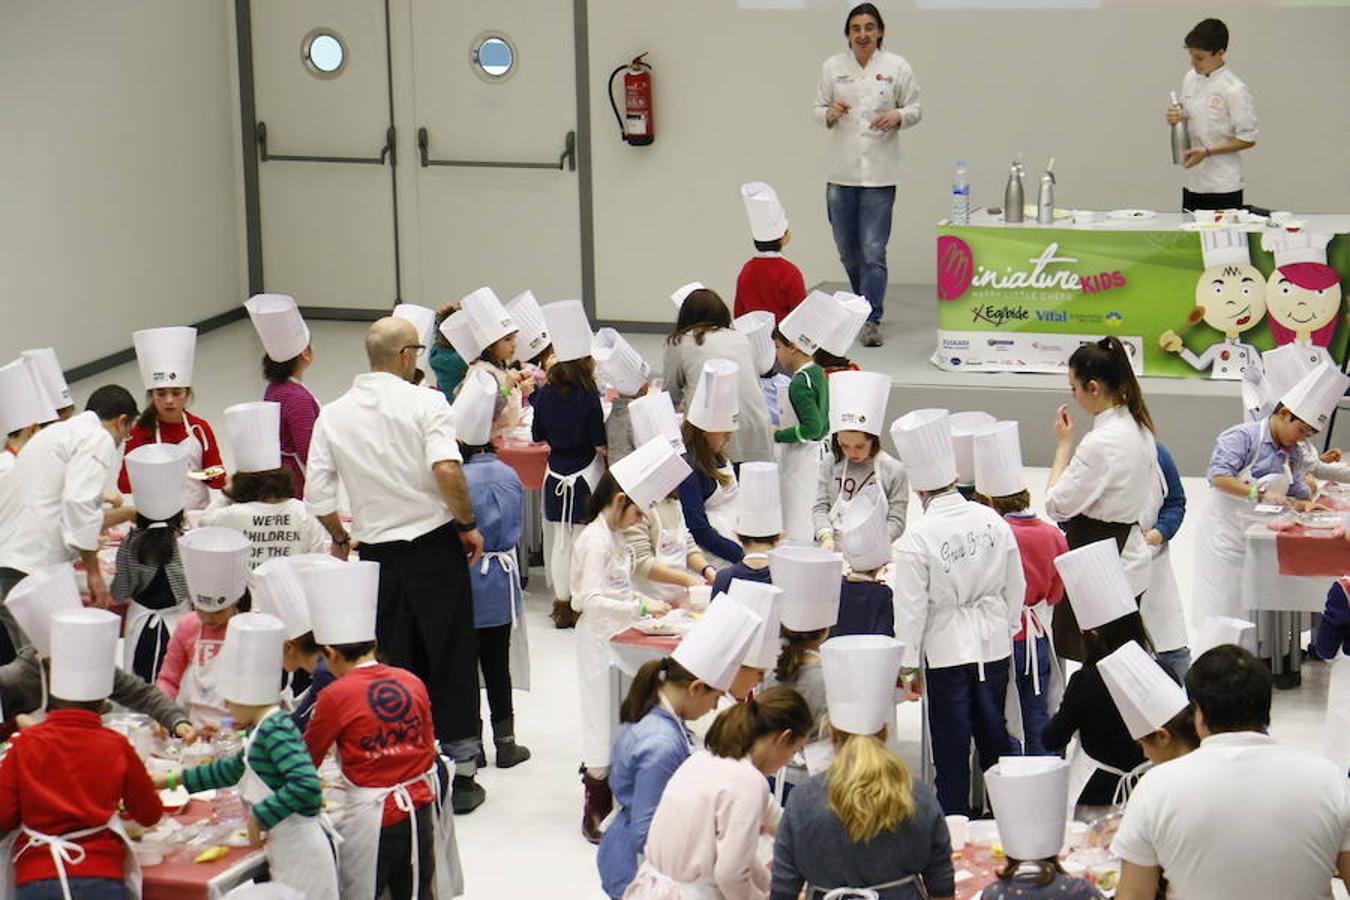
<point>635,124</point>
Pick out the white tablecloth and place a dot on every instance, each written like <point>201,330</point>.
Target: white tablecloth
<point>1264,588</point>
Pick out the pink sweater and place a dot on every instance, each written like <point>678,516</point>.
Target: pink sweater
<point>181,651</point>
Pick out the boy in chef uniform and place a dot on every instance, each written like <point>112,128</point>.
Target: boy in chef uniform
<point>768,281</point>
<point>278,783</point>
<point>759,525</point>
<point>72,841</point>
<point>866,604</point>
<point>1001,485</point>
<point>378,718</point>
<point>958,584</point>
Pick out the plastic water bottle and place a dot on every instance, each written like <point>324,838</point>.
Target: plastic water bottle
<point>961,194</point>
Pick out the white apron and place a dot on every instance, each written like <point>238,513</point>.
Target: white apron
<point>198,692</point>
<point>671,551</point>
<point>1218,559</point>
<point>798,472</point>
<point>1161,606</point>
<point>139,620</point>
<point>723,508</point>
<point>1082,767</point>
<point>520,642</point>
<point>359,828</point>
<point>650,884</point>
<point>66,850</point>
<point>560,547</point>
<point>196,495</point>
<point>1338,713</point>
<point>1037,621</point>
<point>299,854</point>
<point>871,892</point>
<point>598,705</point>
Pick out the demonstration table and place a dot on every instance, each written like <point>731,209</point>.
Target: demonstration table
<point>1284,602</point>
<point>179,878</point>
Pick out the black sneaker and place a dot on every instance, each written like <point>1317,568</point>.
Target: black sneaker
<point>509,754</point>
<point>871,335</point>
<point>466,795</point>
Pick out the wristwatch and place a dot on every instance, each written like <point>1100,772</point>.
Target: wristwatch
<point>466,527</point>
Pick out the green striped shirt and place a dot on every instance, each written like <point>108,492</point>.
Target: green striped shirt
<point>278,756</point>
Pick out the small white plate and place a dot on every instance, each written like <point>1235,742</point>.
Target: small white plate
<point>1138,214</point>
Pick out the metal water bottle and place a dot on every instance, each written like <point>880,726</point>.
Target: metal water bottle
<point>1181,136</point>
<point>1045,199</point>
<point>1013,196</point>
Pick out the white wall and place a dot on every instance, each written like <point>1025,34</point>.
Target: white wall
<point>119,173</point>
<point>734,89</point>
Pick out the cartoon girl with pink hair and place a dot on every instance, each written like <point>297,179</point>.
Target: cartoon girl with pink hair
<point>1303,294</point>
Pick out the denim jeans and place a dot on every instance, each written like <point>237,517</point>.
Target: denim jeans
<point>961,707</point>
<point>1034,712</point>
<point>80,889</point>
<point>861,220</point>
<point>1178,662</point>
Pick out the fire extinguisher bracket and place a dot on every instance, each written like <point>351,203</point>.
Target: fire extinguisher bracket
<point>636,124</point>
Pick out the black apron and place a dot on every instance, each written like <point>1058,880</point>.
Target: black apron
<point>1080,531</point>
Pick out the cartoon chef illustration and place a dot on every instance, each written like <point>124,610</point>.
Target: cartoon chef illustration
<point>1303,293</point>
<point>1230,297</point>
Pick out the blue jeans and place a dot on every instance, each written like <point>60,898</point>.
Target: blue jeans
<point>1034,712</point>
<point>861,220</point>
<point>1178,662</point>
<point>80,889</point>
<point>961,707</point>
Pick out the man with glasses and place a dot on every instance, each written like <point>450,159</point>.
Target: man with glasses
<point>392,446</point>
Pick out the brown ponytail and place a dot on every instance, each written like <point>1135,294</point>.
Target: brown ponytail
<point>644,693</point>
<point>1108,363</point>
<point>793,655</point>
<point>775,710</point>
<point>701,455</point>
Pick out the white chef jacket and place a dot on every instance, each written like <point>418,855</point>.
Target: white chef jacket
<point>1239,817</point>
<point>53,498</point>
<point>381,439</point>
<point>1218,108</point>
<point>859,155</point>
<point>958,585</point>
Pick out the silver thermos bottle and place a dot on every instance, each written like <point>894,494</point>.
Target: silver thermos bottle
<point>1045,199</point>
<point>1013,196</point>
<point>1181,136</point>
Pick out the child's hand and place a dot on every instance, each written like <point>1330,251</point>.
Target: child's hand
<point>1332,456</point>
<point>1154,537</point>
<point>658,607</point>
<point>160,780</point>
<point>256,837</point>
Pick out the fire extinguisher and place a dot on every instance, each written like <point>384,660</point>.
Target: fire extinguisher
<point>635,124</point>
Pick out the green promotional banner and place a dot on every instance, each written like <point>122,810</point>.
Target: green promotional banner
<point>1186,304</point>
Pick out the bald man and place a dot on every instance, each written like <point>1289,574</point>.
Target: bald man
<point>392,446</point>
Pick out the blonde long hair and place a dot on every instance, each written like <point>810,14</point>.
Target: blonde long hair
<point>868,787</point>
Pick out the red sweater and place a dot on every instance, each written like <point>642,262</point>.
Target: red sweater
<point>176,434</point>
<point>1039,542</point>
<point>67,774</point>
<point>380,718</point>
<point>770,283</point>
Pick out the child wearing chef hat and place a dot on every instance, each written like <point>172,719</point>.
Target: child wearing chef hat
<point>276,588</point>
<point>619,366</point>
<point>709,497</point>
<point>166,357</point>
<point>857,463</point>
<point>1154,706</point>
<point>768,281</point>
<point>484,333</point>
<point>448,366</point>
<point>866,602</point>
<point>287,356</point>
<point>759,525</point>
<point>810,579</point>
<point>805,419</point>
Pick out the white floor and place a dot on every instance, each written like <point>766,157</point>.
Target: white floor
<point>525,841</point>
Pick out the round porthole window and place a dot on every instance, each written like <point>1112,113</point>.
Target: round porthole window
<point>494,57</point>
<point>324,53</point>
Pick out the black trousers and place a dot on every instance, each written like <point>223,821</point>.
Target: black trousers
<point>424,623</point>
<point>393,863</point>
<point>494,658</point>
<point>1193,201</point>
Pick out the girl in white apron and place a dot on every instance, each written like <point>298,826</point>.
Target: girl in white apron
<point>710,497</point>
<point>665,557</point>
<point>805,423</point>
<point>167,421</point>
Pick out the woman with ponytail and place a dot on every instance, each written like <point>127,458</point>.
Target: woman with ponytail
<point>864,824</point>
<point>1112,479</point>
<point>716,806</point>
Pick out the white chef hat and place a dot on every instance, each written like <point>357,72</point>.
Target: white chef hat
<point>532,337</point>
<point>1215,631</point>
<point>997,450</point>
<point>50,379</point>
<point>84,654</point>
<point>1030,796</point>
<point>1316,395</point>
<point>681,293</point>
<point>858,401</point>
<point>276,590</point>
<point>40,595</point>
<point>1145,695</point>
<point>342,600</point>
<point>22,401</point>
<point>862,533</point>
<point>570,329</point>
<point>1284,367</point>
<point>765,601</point>
<point>653,415</point>
<point>474,407</point>
<point>488,319</point>
<point>714,649</point>
<point>215,563</point>
<point>1224,247</point>
<point>250,659</point>
<point>157,473</point>
<point>650,472</point>
<point>422,319</point>
<point>851,312</point>
<point>768,219</point>
<point>759,500</point>
<point>280,326</point>
<point>254,432</point>
<point>963,426</point>
<point>166,356</point>
<point>810,321</point>
<point>923,439</point>
<point>44,400</point>
<point>1296,246</point>
<point>757,326</point>
<point>1095,583</point>
<point>860,674</point>
<point>618,363</point>
<point>810,578</point>
<point>716,402</point>
<point>458,331</point>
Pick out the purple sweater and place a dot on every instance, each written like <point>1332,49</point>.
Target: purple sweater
<point>299,409</point>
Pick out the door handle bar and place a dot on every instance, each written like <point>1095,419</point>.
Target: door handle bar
<point>385,152</point>
<point>567,160</point>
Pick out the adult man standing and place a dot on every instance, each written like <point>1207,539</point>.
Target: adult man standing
<point>392,445</point>
<point>1241,816</point>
